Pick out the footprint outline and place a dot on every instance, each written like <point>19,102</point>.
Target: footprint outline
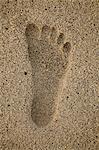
<point>49,58</point>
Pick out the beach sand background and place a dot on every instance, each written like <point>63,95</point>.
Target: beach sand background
<point>76,121</point>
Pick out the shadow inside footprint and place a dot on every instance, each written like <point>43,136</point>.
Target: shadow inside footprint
<point>49,64</point>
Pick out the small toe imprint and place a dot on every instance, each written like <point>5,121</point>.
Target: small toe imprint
<point>60,39</point>
<point>45,31</point>
<point>66,48</point>
<point>53,34</point>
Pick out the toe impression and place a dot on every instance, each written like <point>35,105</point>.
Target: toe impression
<point>45,32</point>
<point>60,39</point>
<point>66,49</point>
<point>32,32</point>
<point>53,35</point>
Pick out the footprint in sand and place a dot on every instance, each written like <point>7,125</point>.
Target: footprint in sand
<point>48,55</point>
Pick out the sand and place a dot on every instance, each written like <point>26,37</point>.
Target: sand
<point>49,83</point>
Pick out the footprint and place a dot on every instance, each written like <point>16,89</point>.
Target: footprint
<point>48,55</point>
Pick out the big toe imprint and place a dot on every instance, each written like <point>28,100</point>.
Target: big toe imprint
<point>49,57</point>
